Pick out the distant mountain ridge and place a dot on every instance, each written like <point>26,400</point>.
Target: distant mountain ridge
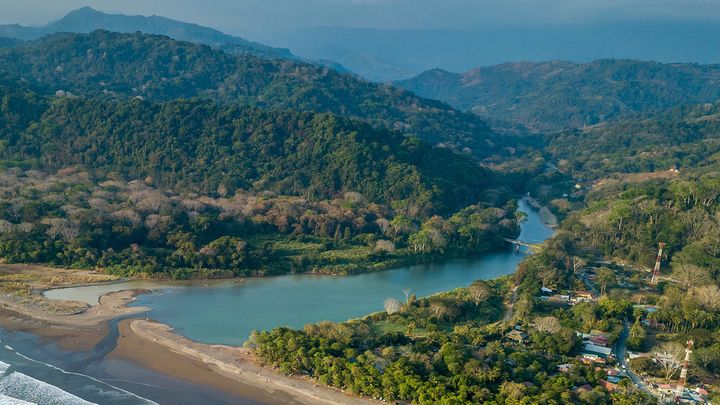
<point>158,68</point>
<point>555,95</point>
<point>87,19</point>
<point>398,54</point>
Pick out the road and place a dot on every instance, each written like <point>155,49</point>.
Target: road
<point>620,349</point>
<point>508,313</point>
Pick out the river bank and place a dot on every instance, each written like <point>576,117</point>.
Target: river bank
<point>546,216</point>
<point>155,346</point>
<point>201,347</point>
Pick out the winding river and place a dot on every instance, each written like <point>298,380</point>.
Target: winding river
<point>226,312</point>
<point>222,312</point>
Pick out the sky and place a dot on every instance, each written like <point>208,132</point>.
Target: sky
<point>264,16</point>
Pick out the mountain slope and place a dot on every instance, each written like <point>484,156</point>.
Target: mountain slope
<point>86,20</point>
<point>159,68</point>
<point>553,95</point>
<point>686,138</point>
<point>198,145</point>
<point>218,189</point>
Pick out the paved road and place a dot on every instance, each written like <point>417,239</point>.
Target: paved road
<point>620,349</point>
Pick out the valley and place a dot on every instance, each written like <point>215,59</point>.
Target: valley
<point>188,216</point>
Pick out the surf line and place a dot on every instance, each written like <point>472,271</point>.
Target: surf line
<point>97,380</point>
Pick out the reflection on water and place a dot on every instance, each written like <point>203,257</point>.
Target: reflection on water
<point>227,312</point>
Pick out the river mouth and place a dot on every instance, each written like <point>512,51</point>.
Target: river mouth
<point>226,311</point>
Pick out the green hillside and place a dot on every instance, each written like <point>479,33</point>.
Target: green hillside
<point>555,95</point>
<point>158,68</point>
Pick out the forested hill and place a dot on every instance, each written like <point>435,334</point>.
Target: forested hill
<point>86,19</point>
<point>159,68</point>
<point>200,146</point>
<point>686,138</point>
<point>555,95</point>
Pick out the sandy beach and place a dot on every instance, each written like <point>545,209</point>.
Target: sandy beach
<point>155,346</point>
<point>73,326</point>
<point>77,326</point>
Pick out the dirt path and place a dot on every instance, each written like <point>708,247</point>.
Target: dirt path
<point>508,313</point>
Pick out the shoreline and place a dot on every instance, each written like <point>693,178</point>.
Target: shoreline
<point>140,340</point>
<point>546,216</point>
<point>155,347</point>
<point>77,326</point>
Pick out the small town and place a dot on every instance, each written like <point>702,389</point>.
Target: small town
<point>608,350</point>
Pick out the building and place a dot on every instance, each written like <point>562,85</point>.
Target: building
<point>564,368</point>
<point>599,340</point>
<point>516,336</point>
<point>608,385</point>
<point>592,351</point>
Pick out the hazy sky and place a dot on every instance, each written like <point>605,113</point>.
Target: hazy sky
<point>237,16</point>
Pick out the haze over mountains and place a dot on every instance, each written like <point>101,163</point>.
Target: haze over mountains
<point>159,68</point>
<point>87,19</point>
<point>553,95</point>
<point>387,54</point>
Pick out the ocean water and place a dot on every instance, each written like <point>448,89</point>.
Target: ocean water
<point>226,312</point>
<point>25,380</point>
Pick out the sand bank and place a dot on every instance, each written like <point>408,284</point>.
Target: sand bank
<point>154,346</point>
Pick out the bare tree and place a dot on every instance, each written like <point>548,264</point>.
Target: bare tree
<point>407,291</point>
<point>578,263</point>
<point>438,309</point>
<point>383,224</point>
<point>391,306</point>
<point>62,228</point>
<point>689,275</point>
<point>547,324</point>
<point>479,291</point>
<point>127,215</point>
<point>669,356</point>
<point>708,296</point>
<point>547,276</point>
<point>384,246</point>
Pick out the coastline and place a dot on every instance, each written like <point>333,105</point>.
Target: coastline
<point>79,327</point>
<point>233,369</point>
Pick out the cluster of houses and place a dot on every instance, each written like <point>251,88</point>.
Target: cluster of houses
<point>595,347</point>
<point>565,297</point>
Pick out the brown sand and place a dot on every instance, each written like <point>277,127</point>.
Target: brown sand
<point>154,346</point>
<point>76,332</point>
<point>79,327</point>
<point>546,216</point>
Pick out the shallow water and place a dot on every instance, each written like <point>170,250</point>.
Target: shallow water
<point>35,372</point>
<point>25,379</point>
<point>227,312</point>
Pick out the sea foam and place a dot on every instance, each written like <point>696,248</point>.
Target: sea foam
<point>19,385</point>
<point>5,400</point>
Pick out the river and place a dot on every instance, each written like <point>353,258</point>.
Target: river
<point>225,312</point>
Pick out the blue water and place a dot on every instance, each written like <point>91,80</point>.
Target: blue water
<point>227,313</point>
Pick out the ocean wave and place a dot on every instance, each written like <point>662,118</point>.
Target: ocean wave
<point>114,392</point>
<point>3,368</point>
<point>5,400</point>
<point>19,385</point>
